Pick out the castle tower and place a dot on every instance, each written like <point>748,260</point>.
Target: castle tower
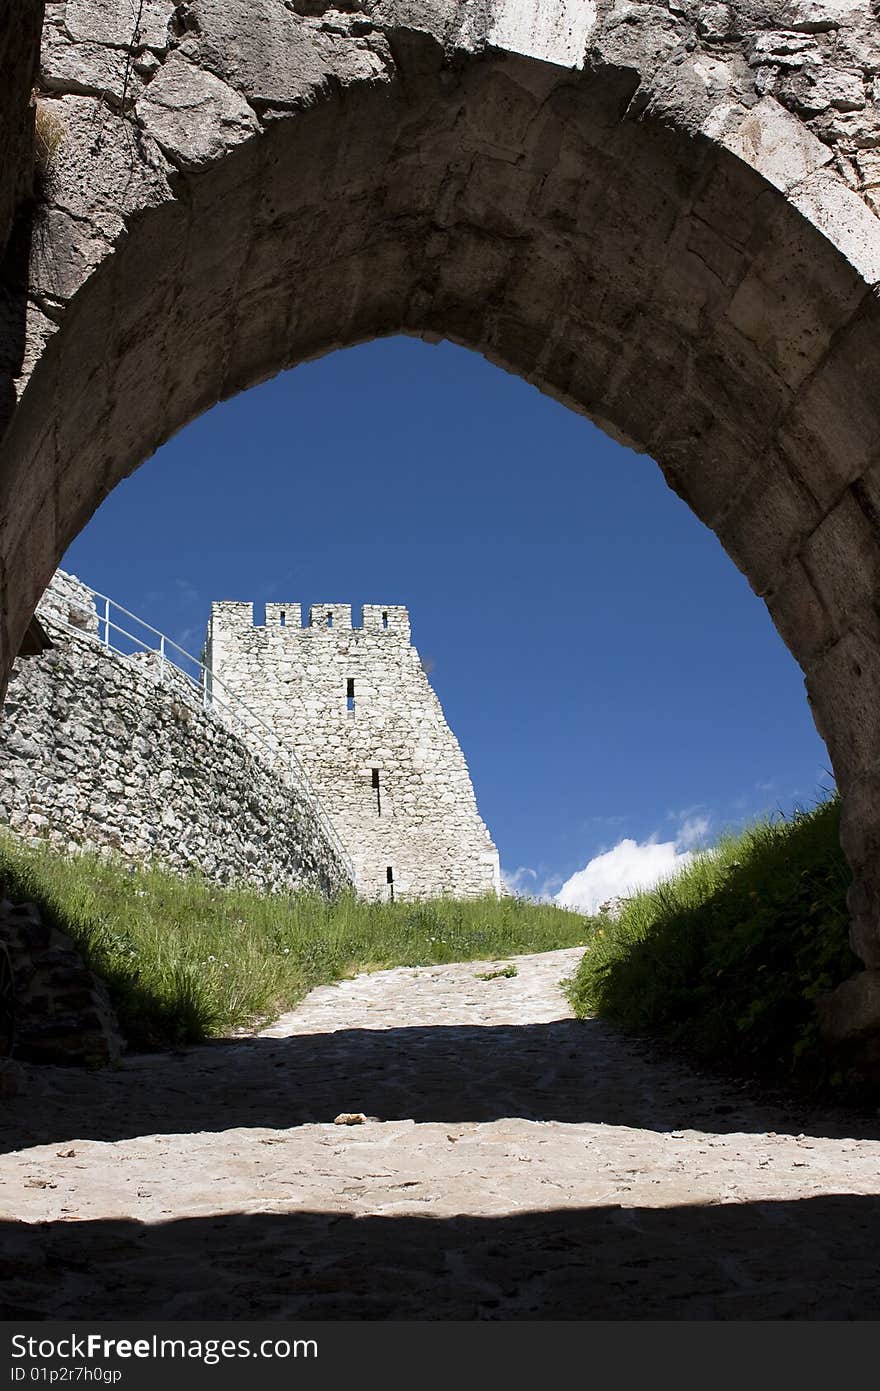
<point>357,709</point>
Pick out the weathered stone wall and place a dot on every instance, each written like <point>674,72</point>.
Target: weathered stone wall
<point>359,710</point>
<point>96,751</point>
<point>21,23</point>
<point>63,1013</point>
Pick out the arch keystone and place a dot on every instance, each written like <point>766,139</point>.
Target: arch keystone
<point>554,31</point>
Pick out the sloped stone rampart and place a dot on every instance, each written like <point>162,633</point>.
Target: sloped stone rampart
<point>96,751</point>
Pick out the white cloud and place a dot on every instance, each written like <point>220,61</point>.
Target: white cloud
<point>517,881</point>
<point>693,831</point>
<point>187,592</point>
<point>526,882</point>
<point>627,867</point>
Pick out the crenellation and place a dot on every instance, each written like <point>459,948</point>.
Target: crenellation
<point>284,616</point>
<point>333,617</point>
<point>233,614</point>
<point>391,620</point>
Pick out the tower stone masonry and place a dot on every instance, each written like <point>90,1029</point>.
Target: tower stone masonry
<point>356,706</point>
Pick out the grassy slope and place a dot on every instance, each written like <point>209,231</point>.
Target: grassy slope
<point>185,960</point>
<point>728,958</point>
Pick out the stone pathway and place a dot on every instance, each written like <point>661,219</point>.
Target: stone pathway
<point>514,1163</point>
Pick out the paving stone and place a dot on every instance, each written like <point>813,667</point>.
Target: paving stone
<point>513,1163</point>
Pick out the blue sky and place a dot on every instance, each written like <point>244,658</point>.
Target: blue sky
<point>613,681</point>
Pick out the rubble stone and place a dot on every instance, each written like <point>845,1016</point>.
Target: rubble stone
<point>117,754</point>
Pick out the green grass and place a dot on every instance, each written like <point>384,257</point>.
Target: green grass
<point>727,959</point>
<point>186,961</point>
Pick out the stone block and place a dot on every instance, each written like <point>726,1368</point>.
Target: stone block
<point>830,432</point>
<point>852,1011</point>
<point>841,682</point>
<point>770,140</point>
<point>766,526</point>
<point>193,116</point>
<point>803,621</point>
<point>842,558</point>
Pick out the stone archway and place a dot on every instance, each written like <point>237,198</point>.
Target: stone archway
<point>656,217</point>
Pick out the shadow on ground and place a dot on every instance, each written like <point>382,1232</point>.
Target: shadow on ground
<point>570,1071</point>
<point>809,1259</point>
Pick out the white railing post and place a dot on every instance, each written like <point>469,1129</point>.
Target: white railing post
<point>162,658</point>
<point>106,622</point>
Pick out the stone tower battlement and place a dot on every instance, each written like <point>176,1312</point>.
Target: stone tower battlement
<point>391,620</point>
<point>356,706</point>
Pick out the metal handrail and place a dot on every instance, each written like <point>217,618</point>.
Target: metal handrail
<point>247,725</point>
